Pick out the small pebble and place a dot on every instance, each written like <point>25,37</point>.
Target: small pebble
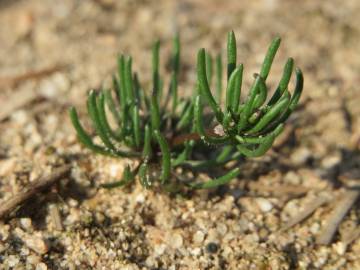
<point>198,237</point>
<point>292,178</point>
<point>54,86</point>
<point>196,251</point>
<point>264,204</point>
<point>21,117</point>
<point>26,224</point>
<point>243,225</point>
<point>176,240</point>
<point>7,166</point>
<point>33,259</point>
<point>13,260</point>
<point>300,156</point>
<point>227,251</point>
<point>159,249</point>
<point>252,238</point>
<point>340,248</point>
<point>212,247</point>
<point>222,229</point>
<point>140,198</point>
<point>212,235</point>
<point>115,169</point>
<point>36,244</point>
<point>314,229</point>
<point>41,266</point>
<point>330,161</point>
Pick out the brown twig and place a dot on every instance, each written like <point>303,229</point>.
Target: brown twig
<point>336,216</point>
<point>180,139</point>
<point>35,187</point>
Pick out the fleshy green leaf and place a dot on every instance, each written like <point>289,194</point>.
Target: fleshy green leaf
<point>269,58</point>
<point>217,181</point>
<point>246,112</point>
<point>280,106</point>
<point>259,151</point>
<point>284,82</point>
<point>219,70</point>
<point>204,86</point>
<point>209,67</point>
<point>147,144</point>
<point>166,159</point>
<point>144,175</point>
<point>231,53</point>
<point>233,90</point>
<point>200,128</point>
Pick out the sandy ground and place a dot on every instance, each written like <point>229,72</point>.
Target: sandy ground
<point>235,227</point>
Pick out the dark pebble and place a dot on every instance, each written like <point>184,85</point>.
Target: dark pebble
<point>212,247</point>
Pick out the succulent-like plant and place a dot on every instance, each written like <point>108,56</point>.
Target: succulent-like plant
<point>158,127</point>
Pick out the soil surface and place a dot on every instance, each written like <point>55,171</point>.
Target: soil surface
<point>53,52</point>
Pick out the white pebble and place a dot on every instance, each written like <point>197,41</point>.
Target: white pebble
<point>196,251</point>
<point>53,87</point>
<point>33,259</point>
<point>221,228</point>
<point>20,117</point>
<point>340,248</point>
<point>140,198</point>
<point>13,260</point>
<point>26,224</point>
<point>115,169</point>
<point>36,244</point>
<point>314,229</point>
<point>198,237</point>
<point>176,240</point>
<point>41,266</point>
<point>264,204</point>
<point>300,156</point>
<point>331,161</point>
<point>159,249</point>
<point>292,178</point>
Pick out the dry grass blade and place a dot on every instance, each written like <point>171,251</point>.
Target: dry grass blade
<point>351,236</point>
<point>337,215</point>
<point>42,183</point>
<point>55,217</point>
<point>295,190</point>
<point>12,81</point>
<point>307,211</point>
<point>17,100</point>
